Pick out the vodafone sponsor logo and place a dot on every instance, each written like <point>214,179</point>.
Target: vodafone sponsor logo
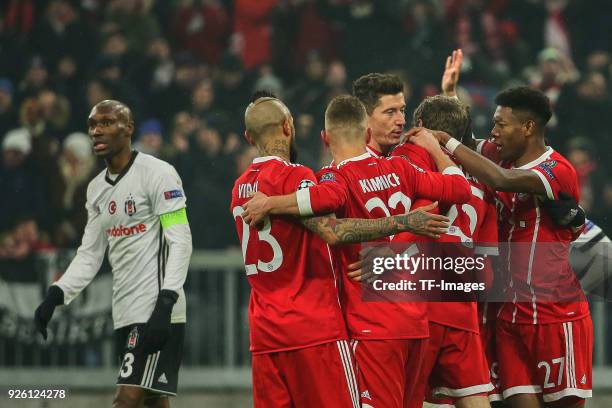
<point>123,231</point>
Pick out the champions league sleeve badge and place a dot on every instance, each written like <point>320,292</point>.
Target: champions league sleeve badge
<point>130,206</point>
<point>305,184</point>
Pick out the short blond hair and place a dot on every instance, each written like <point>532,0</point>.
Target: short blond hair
<point>345,114</point>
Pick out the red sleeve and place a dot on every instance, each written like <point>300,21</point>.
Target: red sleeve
<point>488,150</point>
<point>421,160</point>
<point>416,155</point>
<point>487,243</point>
<point>300,177</point>
<point>486,236</point>
<point>558,176</point>
<point>328,196</point>
<point>445,188</point>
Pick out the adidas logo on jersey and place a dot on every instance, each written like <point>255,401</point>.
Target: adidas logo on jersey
<point>162,379</point>
<point>366,394</point>
<point>583,380</point>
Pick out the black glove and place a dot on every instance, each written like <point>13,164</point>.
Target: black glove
<point>565,212</point>
<point>157,328</point>
<point>44,312</point>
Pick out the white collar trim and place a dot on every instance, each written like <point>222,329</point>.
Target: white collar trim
<point>363,156</point>
<point>372,151</point>
<point>542,158</point>
<point>267,158</point>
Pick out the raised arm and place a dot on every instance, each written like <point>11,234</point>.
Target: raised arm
<point>452,70</point>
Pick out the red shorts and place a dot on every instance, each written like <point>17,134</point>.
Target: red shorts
<point>487,338</point>
<point>386,371</point>
<point>554,360</point>
<point>454,366</point>
<point>318,376</point>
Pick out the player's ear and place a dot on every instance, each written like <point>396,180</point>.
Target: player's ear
<point>325,138</point>
<point>129,128</point>
<point>529,127</point>
<point>419,122</point>
<point>248,138</point>
<point>368,135</point>
<point>287,127</point>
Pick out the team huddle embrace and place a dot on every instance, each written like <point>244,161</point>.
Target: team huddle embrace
<point>317,341</point>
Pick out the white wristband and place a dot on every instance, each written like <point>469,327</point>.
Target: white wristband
<point>303,201</point>
<point>451,145</point>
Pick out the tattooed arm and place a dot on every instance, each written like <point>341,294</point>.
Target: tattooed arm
<point>351,230</point>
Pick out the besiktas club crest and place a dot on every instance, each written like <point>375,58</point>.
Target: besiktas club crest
<point>130,206</point>
<point>132,340</point>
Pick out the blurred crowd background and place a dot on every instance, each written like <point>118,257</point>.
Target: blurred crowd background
<point>187,69</point>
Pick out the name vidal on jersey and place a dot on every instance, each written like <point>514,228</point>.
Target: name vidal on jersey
<point>379,183</point>
<point>247,190</point>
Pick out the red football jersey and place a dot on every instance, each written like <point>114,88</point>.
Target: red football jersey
<point>294,298</point>
<point>416,155</point>
<point>473,222</point>
<point>538,251</point>
<point>421,158</point>
<point>371,187</point>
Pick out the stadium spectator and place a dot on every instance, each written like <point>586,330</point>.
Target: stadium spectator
<point>8,112</point>
<point>97,90</point>
<point>60,57</point>
<point>134,20</point>
<point>77,167</point>
<point>61,32</point>
<point>206,156</point>
<point>201,28</point>
<point>18,19</point>
<point>268,81</point>
<point>583,108</point>
<point>178,94</point>
<point>55,112</point>
<point>203,106</point>
<point>18,176</point>
<point>154,73</point>
<point>233,88</point>
<point>66,74</point>
<point>310,91</point>
<point>252,30</point>
<point>150,138</point>
<point>35,78</point>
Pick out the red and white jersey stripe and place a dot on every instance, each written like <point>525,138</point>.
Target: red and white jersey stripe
<point>536,256</point>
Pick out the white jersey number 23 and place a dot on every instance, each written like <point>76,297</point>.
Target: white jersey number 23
<point>262,235</point>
